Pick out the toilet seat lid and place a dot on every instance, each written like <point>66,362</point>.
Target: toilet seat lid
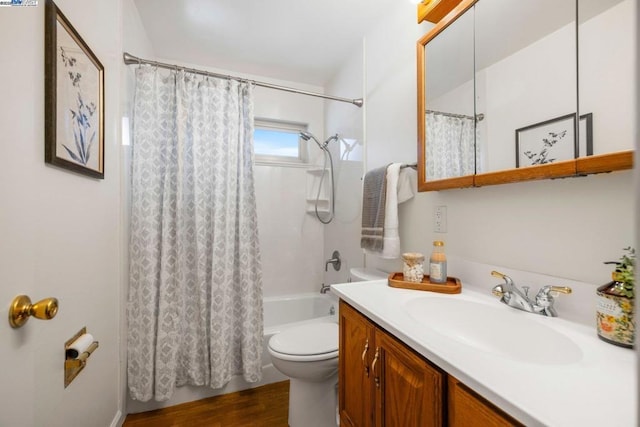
<point>307,339</point>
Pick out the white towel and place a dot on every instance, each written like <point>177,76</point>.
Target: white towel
<point>391,240</point>
<point>401,185</point>
<point>407,184</point>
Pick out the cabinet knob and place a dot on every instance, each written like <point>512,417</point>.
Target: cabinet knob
<point>21,309</point>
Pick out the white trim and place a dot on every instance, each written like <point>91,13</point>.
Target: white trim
<point>118,419</point>
<point>265,162</point>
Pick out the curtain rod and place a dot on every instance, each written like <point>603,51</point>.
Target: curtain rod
<point>130,59</point>
<point>479,117</point>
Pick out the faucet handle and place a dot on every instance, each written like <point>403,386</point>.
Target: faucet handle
<point>508,281</point>
<point>561,289</point>
<point>498,274</point>
<point>558,289</point>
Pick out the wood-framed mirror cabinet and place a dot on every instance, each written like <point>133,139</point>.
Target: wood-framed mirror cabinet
<point>482,122</point>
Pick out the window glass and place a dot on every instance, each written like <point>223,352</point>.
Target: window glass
<point>277,142</point>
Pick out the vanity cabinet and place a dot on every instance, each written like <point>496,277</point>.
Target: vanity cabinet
<point>355,384</point>
<point>467,409</point>
<point>382,382</point>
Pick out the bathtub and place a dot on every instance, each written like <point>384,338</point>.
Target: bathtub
<point>285,311</point>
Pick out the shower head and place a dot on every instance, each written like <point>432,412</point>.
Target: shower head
<point>323,146</point>
<point>307,136</point>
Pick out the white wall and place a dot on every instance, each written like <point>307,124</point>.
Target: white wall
<point>60,232</point>
<point>391,106</point>
<point>343,233</point>
<point>561,228</point>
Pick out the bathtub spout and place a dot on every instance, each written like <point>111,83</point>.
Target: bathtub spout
<point>324,288</point>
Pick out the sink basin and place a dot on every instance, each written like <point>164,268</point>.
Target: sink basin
<point>500,331</point>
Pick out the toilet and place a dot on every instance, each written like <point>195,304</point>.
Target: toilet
<point>365,273</point>
<point>308,355</point>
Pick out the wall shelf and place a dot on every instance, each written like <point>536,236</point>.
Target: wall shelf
<point>316,177</point>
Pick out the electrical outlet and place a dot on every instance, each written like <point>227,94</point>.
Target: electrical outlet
<point>440,219</point>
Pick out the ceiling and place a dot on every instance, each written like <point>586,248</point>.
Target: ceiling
<point>294,40</point>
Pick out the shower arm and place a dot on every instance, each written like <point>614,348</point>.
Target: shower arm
<point>323,146</point>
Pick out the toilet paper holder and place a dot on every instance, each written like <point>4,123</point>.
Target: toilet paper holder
<point>75,362</point>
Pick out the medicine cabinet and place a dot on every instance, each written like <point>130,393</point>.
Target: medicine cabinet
<point>514,91</point>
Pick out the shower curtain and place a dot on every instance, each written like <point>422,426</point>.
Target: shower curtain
<point>195,300</point>
<point>450,146</point>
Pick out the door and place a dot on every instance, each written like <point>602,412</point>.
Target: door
<point>408,388</point>
<point>59,234</point>
<point>357,350</point>
<point>20,126</point>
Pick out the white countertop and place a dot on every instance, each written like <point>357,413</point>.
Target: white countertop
<point>599,389</point>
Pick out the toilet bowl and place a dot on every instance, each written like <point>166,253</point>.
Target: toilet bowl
<point>308,355</point>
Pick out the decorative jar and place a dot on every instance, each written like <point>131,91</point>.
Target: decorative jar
<point>413,269</point>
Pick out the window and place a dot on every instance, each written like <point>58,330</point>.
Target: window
<point>278,142</point>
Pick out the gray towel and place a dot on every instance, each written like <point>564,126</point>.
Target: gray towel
<point>374,195</point>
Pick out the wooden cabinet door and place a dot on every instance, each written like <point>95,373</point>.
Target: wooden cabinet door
<point>467,409</point>
<point>408,388</point>
<point>355,387</point>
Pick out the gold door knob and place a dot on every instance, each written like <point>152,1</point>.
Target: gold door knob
<point>21,309</point>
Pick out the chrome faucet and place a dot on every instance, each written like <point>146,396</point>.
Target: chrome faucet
<point>514,297</point>
<point>324,288</point>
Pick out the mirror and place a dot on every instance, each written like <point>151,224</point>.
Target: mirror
<point>525,82</point>
<point>607,51</point>
<point>519,105</point>
<point>449,116</point>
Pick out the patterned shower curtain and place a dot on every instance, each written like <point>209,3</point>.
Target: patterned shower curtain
<point>450,146</point>
<point>195,299</point>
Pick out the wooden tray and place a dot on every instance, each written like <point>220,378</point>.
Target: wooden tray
<point>452,286</point>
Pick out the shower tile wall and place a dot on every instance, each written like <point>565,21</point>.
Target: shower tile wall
<point>291,240</point>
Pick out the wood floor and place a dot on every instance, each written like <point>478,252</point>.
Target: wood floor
<point>265,406</point>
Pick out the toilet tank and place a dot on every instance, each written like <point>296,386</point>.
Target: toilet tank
<point>364,273</point>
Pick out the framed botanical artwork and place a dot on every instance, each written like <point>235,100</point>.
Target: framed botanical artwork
<point>74,98</point>
<point>554,140</point>
<point>546,142</point>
